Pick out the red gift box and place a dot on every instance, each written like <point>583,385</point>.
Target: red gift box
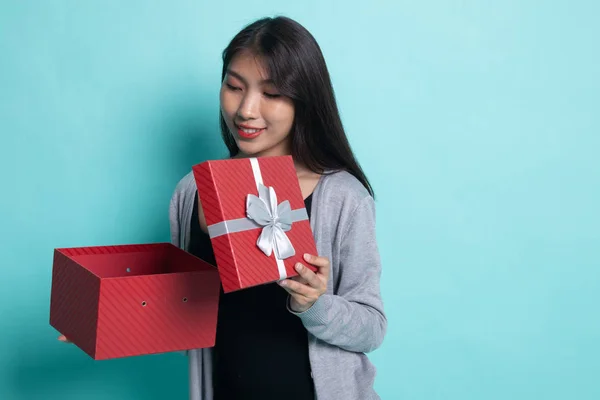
<point>256,219</point>
<point>129,300</point>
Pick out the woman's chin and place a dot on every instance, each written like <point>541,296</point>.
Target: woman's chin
<point>249,150</point>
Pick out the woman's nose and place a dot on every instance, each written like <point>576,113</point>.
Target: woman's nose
<point>249,107</point>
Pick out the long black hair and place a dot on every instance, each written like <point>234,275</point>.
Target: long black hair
<point>297,68</point>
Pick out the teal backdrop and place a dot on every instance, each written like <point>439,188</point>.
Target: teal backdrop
<point>477,122</point>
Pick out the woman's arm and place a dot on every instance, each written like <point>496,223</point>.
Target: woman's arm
<point>353,317</point>
<point>174,219</point>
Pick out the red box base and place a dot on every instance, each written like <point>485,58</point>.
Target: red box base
<point>130,300</point>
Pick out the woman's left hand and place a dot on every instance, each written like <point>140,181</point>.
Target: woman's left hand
<point>308,286</point>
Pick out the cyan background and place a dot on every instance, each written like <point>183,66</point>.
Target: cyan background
<point>477,121</point>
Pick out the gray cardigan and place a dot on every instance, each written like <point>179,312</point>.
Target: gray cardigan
<point>346,322</point>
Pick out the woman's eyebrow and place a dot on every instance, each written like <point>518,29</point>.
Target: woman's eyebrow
<point>241,78</point>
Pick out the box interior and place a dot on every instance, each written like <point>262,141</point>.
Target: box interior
<point>147,260</point>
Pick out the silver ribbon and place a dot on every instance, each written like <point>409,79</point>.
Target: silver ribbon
<point>263,212</point>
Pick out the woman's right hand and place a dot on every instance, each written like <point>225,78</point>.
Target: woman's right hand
<point>63,338</point>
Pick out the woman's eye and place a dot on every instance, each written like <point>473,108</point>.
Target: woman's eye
<point>232,87</point>
<point>272,95</point>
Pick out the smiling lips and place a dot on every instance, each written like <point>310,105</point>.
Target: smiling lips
<point>248,132</point>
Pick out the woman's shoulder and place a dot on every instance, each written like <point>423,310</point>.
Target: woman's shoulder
<point>344,208</point>
<point>343,185</point>
<point>341,193</point>
<point>186,184</point>
<point>184,190</point>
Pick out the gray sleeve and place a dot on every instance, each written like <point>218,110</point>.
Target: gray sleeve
<point>353,318</point>
<point>174,217</point>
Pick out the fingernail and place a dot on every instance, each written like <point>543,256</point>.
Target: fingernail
<point>281,283</point>
<point>298,267</point>
<point>307,257</point>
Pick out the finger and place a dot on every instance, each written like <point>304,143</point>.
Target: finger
<point>63,338</point>
<point>293,287</point>
<point>321,263</point>
<point>298,302</point>
<point>317,261</point>
<point>299,278</point>
<point>300,298</point>
<point>311,278</point>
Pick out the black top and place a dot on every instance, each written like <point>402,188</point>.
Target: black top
<point>261,349</point>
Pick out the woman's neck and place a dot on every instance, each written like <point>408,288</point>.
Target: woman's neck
<point>301,169</point>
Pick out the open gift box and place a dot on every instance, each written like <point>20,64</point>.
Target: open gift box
<point>256,219</point>
<point>129,300</point>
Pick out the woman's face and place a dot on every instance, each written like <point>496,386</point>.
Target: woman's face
<point>258,117</point>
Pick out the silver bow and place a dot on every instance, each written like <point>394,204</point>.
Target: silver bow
<point>276,219</point>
